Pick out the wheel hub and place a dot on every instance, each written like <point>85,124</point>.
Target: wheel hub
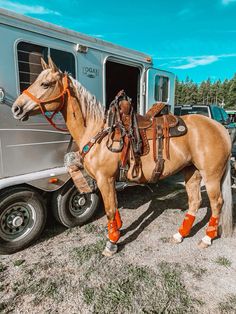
<point>78,204</point>
<point>15,219</point>
<point>82,201</point>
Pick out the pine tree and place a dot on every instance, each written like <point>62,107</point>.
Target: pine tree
<point>232,92</point>
<point>188,92</point>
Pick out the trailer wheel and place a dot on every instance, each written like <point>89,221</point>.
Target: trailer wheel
<point>22,218</point>
<point>71,208</point>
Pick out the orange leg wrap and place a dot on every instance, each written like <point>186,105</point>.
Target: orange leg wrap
<point>186,226</point>
<point>212,229</point>
<point>118,219</point>
<point>113,231</point>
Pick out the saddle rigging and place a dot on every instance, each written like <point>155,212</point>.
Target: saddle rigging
<point>129,133</point>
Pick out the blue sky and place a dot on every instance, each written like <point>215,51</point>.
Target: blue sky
<point>189,37</point>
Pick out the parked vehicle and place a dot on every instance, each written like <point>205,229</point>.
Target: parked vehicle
<point>31,153</point>
<point>232,115</point>
<point>212,111</point>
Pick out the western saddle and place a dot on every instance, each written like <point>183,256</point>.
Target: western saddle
<point>129,133</point>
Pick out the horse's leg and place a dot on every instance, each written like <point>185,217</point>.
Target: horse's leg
<point>213,188</point>
<point>107,189</point>
<point>192,183</point>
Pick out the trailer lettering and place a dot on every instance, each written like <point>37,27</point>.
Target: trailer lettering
<point>90,72</point>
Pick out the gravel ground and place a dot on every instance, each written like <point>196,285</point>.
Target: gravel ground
<point>64,272</point>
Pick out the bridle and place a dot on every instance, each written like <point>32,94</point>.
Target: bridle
<point>62,96</point>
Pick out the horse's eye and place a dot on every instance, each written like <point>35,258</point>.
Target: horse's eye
<point>45,85</point>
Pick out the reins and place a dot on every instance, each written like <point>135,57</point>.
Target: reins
<point>41,102</point>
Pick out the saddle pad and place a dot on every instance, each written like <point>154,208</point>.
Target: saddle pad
<point>178,128</point>
<point>147,134</point>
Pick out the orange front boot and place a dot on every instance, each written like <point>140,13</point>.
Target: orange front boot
<point>186,226</point>
<point>113,231</point>
<point>212,229</point>
<point>118,219</point>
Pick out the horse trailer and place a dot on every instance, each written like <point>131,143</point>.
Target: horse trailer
<point>32,152</point>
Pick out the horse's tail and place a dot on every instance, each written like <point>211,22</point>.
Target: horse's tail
<point>227,209</point>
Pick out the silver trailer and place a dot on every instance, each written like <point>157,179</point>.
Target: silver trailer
<point>32,152</point>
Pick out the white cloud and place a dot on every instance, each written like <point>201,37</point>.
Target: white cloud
<point>26,9</point>
<point>194,62</point>
<point>190,62</point>
<point>226,2</point>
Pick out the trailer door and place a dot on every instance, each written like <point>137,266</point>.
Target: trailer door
<point>160,87</point>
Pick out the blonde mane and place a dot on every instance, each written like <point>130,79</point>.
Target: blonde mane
<point>91,107</point>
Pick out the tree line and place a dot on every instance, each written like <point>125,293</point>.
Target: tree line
<point>207,92</point>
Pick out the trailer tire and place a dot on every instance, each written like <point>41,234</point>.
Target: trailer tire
<point>22,218</point>
<point>71,208</point>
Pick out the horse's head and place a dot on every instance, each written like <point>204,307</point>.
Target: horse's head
<point>45,94</point>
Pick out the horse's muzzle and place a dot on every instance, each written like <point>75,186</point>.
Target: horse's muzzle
<point>18,113</point>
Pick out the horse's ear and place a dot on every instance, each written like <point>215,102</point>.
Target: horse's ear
<point>52,65</point>
<point>44,64</point>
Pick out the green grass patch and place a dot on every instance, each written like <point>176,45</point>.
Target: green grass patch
<point>223,261</point>
<point>94,229</point>
<point>18,262</point>
<point>88,294</point>
<point>116,287</point>
<point>86,252</point>
<point>178,299</point>
<point>228,305</point>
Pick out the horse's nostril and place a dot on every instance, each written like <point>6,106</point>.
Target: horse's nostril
<point>17,110</point>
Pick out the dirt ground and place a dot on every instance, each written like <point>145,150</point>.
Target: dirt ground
<point>64,272</point>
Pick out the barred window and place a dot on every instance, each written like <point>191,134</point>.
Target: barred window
<point>161,88</point>
<point>29,61</point>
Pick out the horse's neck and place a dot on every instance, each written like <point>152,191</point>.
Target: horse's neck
<point>81,131</point>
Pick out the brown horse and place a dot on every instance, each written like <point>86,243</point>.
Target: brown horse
<point>202,153</point>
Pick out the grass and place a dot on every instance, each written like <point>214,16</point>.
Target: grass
<point>178,299</point>
<point>85,253</point>
<point>196,271</point>
<point>18,262</point>
<point>228,305</point>
<point>117,287</point>
<point>223,261</point>
<point>88,294</point>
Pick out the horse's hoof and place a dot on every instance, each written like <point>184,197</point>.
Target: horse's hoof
<point>110,249</point>
<point>205,242</point>
<point>176,239</point>
<point>202,245</point>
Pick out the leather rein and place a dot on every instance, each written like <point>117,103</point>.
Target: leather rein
<point>41,102</point>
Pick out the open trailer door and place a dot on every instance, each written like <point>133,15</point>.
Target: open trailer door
<point>160,88</point>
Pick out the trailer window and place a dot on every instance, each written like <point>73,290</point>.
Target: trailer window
<point>64,60</point>
<point>29,61</point>
<point>161,88</point>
